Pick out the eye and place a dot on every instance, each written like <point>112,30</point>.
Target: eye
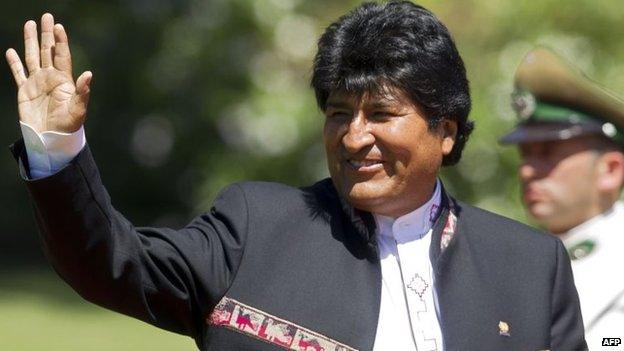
<point>383,115</point>
<point>547,150</point>
<point>338,114</point>
<point>538,150</point>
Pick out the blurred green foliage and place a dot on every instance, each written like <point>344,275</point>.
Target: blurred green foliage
<point>191,95</point>
<point>39,312</point>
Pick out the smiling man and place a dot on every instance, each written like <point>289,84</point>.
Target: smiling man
<point>379,257</point>
<point>373,157</point>
<point>571,142</point>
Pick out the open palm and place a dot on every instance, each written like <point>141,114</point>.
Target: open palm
<point>48,99</point>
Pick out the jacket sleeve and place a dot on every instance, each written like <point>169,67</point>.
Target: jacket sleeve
<point>168,278</point>
<point>567,331</point>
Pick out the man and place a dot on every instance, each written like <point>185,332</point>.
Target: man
<point>379,257</point>
<point>571,141</point>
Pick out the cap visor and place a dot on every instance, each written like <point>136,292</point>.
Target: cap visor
<point>527,133</point>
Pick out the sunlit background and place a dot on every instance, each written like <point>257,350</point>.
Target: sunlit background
<point>189,96</point>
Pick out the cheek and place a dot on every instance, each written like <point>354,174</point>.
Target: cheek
<point>568,182</point>
<point>428,153</point>
<point>331,139</point>
<point>577,170</point>
<point>401,142</point>
<point>417,159</point>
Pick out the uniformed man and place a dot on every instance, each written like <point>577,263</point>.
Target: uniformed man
<point>571,141</point>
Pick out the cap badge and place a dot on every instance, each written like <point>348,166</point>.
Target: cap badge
<point>609,130</point>
<point>524,104</point>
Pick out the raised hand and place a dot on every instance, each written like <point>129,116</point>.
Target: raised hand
<point>48,99</point>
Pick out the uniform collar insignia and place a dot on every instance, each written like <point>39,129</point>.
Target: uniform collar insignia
<point>581,249</point>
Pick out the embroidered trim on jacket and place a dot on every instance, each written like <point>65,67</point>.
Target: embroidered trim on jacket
<point>449,230</point>
<point>250,321</point>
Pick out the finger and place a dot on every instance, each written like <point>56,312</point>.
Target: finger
<point>31,46</point>
<point>16,67</point>
<point>78,107</point>
<point>47,39</point>
<point>83,83</point>
<point>62,56</point>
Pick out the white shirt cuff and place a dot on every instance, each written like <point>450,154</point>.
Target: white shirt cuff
<point>50,151</point>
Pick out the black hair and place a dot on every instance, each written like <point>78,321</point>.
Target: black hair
<point>400,45</point>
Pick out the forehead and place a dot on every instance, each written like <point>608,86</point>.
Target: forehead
<point>385,96</point>
<point>561,148</point>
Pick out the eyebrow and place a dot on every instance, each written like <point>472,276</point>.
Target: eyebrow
<point>348,106</point>
<point>382,105</point>
<point>339,105</point>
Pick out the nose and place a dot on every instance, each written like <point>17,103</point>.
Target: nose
<point>526,171</point>
<point>358,135</point>
<point>532,167</point>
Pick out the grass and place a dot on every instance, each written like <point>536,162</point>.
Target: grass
<point>39,312</point>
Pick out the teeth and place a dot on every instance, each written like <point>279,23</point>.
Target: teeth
<point>359,164</point>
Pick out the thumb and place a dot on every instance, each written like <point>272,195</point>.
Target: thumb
<point>79,102</point>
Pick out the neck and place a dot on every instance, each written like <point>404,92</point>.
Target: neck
<point>409,207</point>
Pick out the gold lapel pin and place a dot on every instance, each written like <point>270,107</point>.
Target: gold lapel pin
<point>503,328</point>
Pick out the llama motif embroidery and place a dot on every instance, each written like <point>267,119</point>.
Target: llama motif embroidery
<point>258,324</point>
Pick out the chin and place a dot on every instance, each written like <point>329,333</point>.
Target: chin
<point>540,212</point>
<point>367,195</point>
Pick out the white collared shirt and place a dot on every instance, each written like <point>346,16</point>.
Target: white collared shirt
<point>408,315</point>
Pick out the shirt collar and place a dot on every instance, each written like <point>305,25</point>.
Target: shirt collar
<point>414,225</point>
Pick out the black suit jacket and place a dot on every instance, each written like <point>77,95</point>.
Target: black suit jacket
<point>270,265</point>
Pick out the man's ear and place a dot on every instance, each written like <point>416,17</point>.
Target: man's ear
<point>448,130</point>
<point>611,172</point>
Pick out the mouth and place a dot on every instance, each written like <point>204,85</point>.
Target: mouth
<point>532,196</point>
<point>365,165</point>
